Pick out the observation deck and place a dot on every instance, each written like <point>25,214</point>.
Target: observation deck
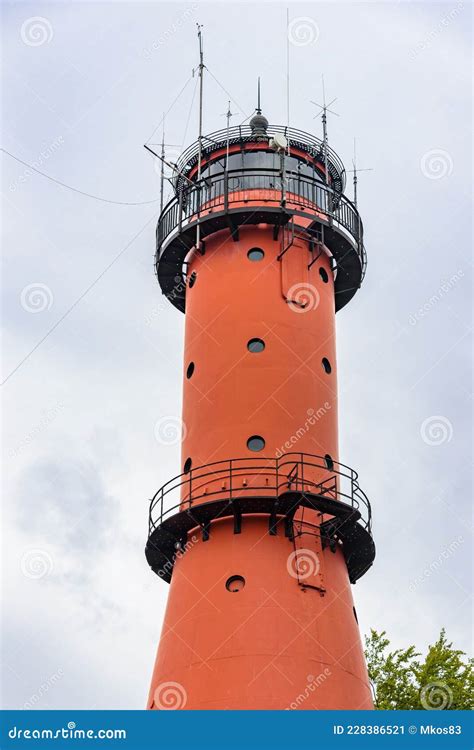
<point>275,487</point>
<point>243,180</point>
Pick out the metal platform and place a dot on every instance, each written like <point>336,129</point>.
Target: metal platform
<point>274,487</point>
<point>215,206</point>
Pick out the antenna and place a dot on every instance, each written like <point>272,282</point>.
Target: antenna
<point>288,77</point>
<point>228,115</point>
<point>259,109</point>
<point>355,172</point>
<point>201,77</point>
<point>169,164</point>
<point>162,170</point>
<point>163,162</point>
<point>324,109</point>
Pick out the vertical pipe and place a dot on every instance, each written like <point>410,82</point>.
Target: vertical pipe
<point>288,77</point>
<point>162,173</point>
<point>201,70</point>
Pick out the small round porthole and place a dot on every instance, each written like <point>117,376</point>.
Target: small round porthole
<point>235,584</point>
<point>255,253</point>
<point>192,279</point>
<point>190,370</point>
<point>324,275</point>
<point>187,465</point>
<point>329,462</point>
<point>255,345</point>
<point>326,365</point>
<point>256,443</point>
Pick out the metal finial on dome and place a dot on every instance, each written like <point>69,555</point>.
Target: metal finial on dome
<point>259,122</point>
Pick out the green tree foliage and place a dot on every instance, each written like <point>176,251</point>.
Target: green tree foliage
<point>401,680</point>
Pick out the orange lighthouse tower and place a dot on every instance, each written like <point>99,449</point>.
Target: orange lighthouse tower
<point>265,529</point>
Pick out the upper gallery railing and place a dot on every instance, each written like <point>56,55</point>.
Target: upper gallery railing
<point>309,196</point>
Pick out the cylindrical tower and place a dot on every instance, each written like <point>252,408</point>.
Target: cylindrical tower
<point>265,529</point>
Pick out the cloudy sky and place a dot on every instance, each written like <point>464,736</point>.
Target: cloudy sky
<point>92,356</point>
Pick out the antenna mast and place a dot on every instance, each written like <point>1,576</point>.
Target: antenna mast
<point>354,181</point>
<point>170,164</point>
<point>201,72</point>
<point>162,171</point>
<point>325,133</point>
<point>288,76</point>
<point>201,76</point>
<point>355,172</point>
<point>324,109</point>
<point>228,115</point>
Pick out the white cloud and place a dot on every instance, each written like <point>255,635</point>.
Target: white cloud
<point>76,486</point>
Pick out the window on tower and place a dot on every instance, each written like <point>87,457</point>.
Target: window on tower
<point>256,443</point>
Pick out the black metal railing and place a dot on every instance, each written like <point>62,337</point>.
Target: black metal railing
<point>237,478</point>
<point>225,190</point>
<point>244,133</point>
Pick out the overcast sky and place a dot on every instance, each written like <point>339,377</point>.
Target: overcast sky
<point>92,354</point>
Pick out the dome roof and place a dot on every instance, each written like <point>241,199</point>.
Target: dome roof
<point>259,124</point>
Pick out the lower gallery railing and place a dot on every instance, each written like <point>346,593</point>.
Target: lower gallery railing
<point>260,477</point>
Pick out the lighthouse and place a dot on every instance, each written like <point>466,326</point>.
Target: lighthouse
<point>264,527</point>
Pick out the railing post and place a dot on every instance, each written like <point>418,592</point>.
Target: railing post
<point>230,478</point>
<point>226,191</point>
<point>331,206</point>
<point>283,178</point>
<point>180,210</point>
<point>190,487</point>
